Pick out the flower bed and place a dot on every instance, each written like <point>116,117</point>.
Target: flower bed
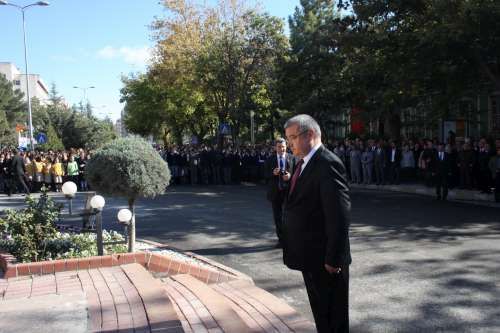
<point>31,234</point>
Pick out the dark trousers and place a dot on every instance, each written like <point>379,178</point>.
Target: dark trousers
<point>277,204</point>
<point>497,187</point>
<point>379,174</point>
<point>19,182</point>
<point>329,299</point>
<point>484,180</point>
<point>394,170</point>
<point>465,177</point>
<point>442,186</point>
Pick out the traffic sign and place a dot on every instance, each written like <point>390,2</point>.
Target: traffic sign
<point>224,129</point>
<point>41,138</point>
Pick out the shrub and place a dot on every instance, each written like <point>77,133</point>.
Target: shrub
<point>67,245</point>
<point>25,231</point>
<point>128,167</point>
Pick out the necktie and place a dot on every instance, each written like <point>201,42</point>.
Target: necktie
<point>282,164</point>
<point>295,176</point>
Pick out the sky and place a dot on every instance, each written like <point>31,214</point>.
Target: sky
<point>89,43</point>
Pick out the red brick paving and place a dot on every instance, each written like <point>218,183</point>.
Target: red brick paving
<point>127,298</point>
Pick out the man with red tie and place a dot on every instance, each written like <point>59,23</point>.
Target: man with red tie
<point>316,224</point>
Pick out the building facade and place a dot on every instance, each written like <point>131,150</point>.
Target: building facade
<point>37,87</point>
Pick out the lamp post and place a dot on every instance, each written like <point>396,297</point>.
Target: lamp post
<point>85,99</point>
<point>97,203</point>
<point>84,89</point>
<point>69,189</point>
<point>23,9</point>
<point>125,217</point>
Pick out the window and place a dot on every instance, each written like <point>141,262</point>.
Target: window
<point>17,82</point>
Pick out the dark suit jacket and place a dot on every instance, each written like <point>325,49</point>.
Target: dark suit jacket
<point>316,216</point>
<point>397,157</point>
<point>273,181</point>
<point>18,167</point>
<point>441,168</point>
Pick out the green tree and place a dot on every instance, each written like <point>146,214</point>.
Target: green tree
<point>130,168</point>
<point>12,112</point>
<point>314,75</point>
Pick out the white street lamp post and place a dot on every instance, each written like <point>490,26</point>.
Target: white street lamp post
<point>97,203</point>
<point>69,189</point>
<point>23,9</point>
<point>125,218</point>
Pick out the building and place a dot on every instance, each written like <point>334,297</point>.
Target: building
<point>119,126</point>
<point>37,87</point>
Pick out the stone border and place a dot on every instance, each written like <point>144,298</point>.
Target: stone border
<point>209,262</point>
<point>151,261</point>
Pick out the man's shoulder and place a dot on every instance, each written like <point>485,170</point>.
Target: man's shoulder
<point>327,157</point>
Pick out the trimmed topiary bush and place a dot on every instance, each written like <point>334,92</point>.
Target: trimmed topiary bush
<point>130,168</point>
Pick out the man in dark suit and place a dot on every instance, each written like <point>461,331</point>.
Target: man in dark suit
<point>278,168</point>
<point>316,224</point>
<point>394,160</point>
<point>442,169</point>
<point>18,170</point>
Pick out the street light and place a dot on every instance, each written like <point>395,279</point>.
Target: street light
<point>97,203</point>
<point>22,9</point>
<point>69,189</point>
<point>84,91</point>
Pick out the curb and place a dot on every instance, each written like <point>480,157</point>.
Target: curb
<point>452,194</point>
<point>230,271</point>
<point>156,263</point>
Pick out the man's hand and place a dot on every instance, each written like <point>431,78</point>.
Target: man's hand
<point>332,270</point>
<point>276,171</point>
<point>286,177</point>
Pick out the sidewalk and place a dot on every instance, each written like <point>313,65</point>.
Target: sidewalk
<point>453,195</point>
<point>138,292</point>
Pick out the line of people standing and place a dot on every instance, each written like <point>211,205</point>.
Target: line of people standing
<point>470,165</point>
<point>28,172</point>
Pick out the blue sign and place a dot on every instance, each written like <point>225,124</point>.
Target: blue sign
<point>224,129</point>
<point>41,138</point>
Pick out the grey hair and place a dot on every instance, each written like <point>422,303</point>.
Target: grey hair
<point>279,140</point>
<point>305,122</point>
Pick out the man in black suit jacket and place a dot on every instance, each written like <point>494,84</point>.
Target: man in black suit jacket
<point>316,224</point>
<point>394,161</point>
<point>442,169</point>
<point>18,170</point>
<point>277,169</point>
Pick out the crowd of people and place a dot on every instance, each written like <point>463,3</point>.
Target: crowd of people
<point>28,172</point>
<point>469,164</point>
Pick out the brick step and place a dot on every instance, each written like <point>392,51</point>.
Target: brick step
<point>204,309</point>
<point>261,310</point>
<point>160,310</point>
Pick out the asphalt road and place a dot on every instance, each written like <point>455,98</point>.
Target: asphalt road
<point>419,265</point>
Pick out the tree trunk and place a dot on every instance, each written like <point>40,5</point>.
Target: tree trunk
<point>131,229</point>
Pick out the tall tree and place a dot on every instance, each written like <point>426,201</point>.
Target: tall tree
<point>12,111</point>
<point>314,75</point>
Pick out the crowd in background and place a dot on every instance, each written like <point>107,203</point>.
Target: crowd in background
<point>474,164</point>
<point>28,172</point>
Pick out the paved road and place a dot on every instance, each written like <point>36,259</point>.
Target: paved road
<point>419,265</point>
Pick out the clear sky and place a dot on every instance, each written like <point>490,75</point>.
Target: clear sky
<point>89,43</point>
